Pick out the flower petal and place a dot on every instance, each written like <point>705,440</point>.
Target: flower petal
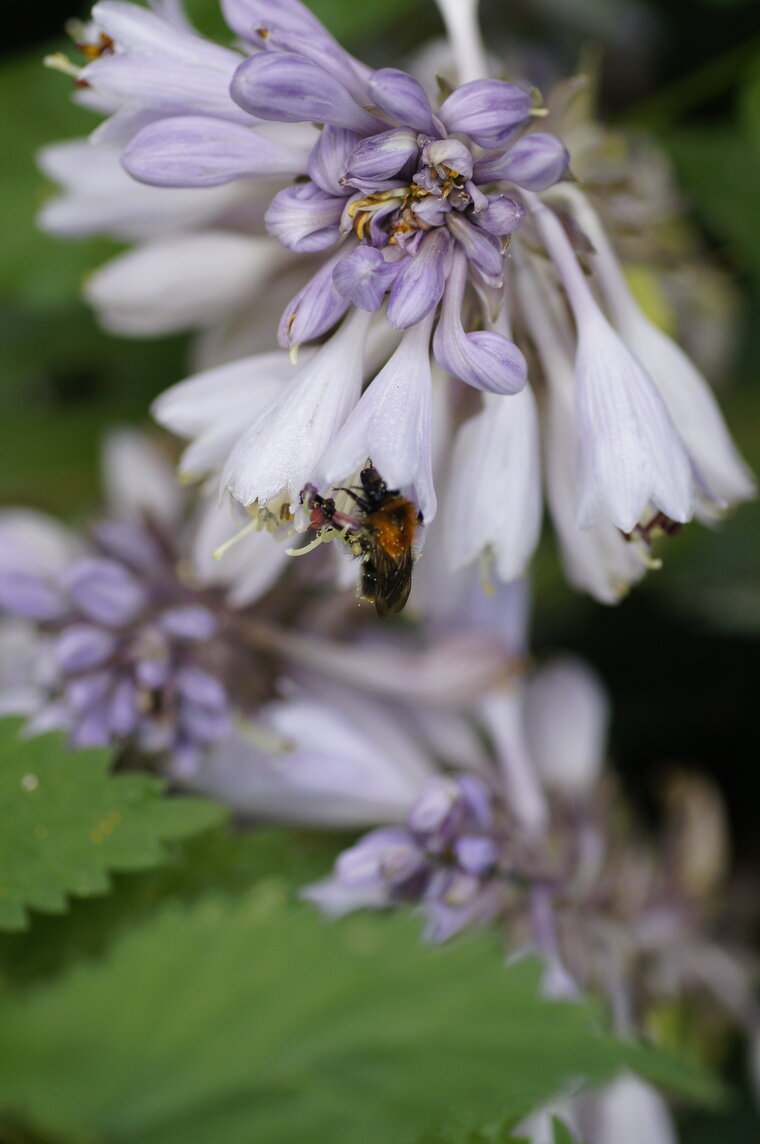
<point>288,88</point>
<point>487,110</point>
<point>534,162</point>
<point>198,151</point>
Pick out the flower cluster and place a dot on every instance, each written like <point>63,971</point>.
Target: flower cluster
<point>447,856</point>
<point>415,223</point>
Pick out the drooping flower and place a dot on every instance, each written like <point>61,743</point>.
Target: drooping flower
<point>444,224</point>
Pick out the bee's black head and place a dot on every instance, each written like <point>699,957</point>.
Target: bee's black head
<point>375,488</point>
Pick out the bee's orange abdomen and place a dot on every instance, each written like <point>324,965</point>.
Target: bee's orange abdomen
<point>394,526</point>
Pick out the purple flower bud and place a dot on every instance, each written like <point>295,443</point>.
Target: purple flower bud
<point>329,158</point>
<point>246,17</point>
<point>534,162</point>
<point>382,156</point>
<point>288,88</point>
<point>129,544</point>
<point>201,725</point>
<point>26,595</point>
<point>402,98</point>
<point>389,855</point>
<point>453,887</point>
<point>431,210</point>
<point>476,856</point>
<point>501,216</point>
<point>420,282</point>
<point>483,359</point>
<point>201,688</point>
<point>477,800</point>
<point>105,591</point>
<point>482,250</point>
<point>82,647</point>
<point>451,154</point>
<point>93,729</point>
<point>189,622</point>
<point>88,690</point>
<point>287,26</point>
<point>304,218</point>
<point>487,110</point>
<point>364,276</point>
<point>198,151</point>
<point>152,673</point>
<point>314,310</point>
<point>432,809</point>
<point>123,710</point>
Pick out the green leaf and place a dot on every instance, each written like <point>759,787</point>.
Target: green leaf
<point>259,1021</point>
<point>35,266</point>
<point>720,169</point>
<point>217,862</point>
<point>67,822</point>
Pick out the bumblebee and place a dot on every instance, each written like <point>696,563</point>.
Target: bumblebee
<point>382,534</point>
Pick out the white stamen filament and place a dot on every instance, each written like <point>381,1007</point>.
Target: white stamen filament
<point>61,63</point>
<point>246,530</point>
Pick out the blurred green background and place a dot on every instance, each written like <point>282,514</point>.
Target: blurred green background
<point>682,654</point>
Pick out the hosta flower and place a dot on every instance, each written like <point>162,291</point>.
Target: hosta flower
<point>401,232</point>
<point>446,856</point>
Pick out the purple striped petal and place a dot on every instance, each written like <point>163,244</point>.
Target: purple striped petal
<point>487,110</point>
<point>364,277</point>
<point>420,282</point>
<point>484,359</point>
<point>314,310</point>
<point>329,158</point>
<point>287,88</point>
<point>286,26</point>
<point>304,218</point>
<point>382,156</point>
<point>502,215</point>
<point>535,163</point>
<point>403,98</point>
<point>482,249</point>
<point>198,151</point>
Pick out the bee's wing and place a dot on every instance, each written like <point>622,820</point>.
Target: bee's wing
<point>393,581</point>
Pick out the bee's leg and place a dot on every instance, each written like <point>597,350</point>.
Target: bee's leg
<point>363,504</point>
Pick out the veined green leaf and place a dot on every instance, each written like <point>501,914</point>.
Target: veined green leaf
<point>259,1021</point>
<point>67,822</point>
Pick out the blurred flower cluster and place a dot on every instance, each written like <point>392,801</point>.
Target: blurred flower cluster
<point>410,295</point>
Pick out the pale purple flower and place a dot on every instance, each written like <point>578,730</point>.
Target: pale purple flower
<point>128,644</point>
<point>323,763</point>
<point>446,857</point>
<point>387,209</point>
